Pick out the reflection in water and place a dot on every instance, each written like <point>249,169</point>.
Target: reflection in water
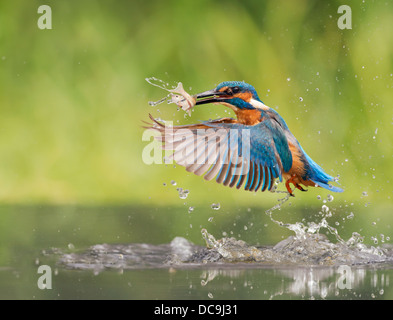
<point>314,282</point>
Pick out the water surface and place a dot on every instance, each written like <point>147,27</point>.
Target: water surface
<point>169,253</point>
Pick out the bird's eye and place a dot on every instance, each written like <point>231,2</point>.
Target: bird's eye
<point>235,89</point>
<point>229,91</point>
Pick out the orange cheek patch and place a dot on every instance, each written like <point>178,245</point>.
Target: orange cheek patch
<point>246,96</point>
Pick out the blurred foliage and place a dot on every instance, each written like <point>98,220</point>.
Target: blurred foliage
<point>73,98</point>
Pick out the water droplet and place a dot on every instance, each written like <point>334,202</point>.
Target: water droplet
<point>183,194</point>
<point>215,206</point>
<point>155,103</point>
<point>210,295</point>
<point>325,209</point>
<point>190,209</point>
<point>300,98</point>
<point>330,198</point>
<point>173,182</point>
<point>288,79</point>
<point>319,197</point>
<point>71,246</point>
<point>210,219</point>
<point>364,194</point>
<point>350,216</point>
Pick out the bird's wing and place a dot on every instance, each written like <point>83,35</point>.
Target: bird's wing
<point>224,149</point>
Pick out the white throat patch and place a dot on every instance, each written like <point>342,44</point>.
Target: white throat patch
<point>259,105</point>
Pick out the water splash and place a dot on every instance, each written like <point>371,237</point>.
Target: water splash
<point>160,84</point>
<point>301,230</point>
<point>309,249</point>
<point>308,246</point>
<point>177,95</point>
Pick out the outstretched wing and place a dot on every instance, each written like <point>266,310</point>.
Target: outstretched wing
<point>224,149</point>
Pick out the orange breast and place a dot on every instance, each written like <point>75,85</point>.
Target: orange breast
<point>297,171</point>
<point>297,163</point>
<point>248,117</point>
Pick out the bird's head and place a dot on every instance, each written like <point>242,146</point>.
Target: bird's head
<point>234,94</point>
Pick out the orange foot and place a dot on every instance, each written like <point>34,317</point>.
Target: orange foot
<point>297,186</point>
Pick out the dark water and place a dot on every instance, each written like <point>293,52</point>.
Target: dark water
<point>168,253</point>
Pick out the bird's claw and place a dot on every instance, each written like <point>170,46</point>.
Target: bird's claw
<point>297,186</point>
<point>300,188</point>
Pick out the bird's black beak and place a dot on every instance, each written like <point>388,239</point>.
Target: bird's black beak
<point>210,96</point>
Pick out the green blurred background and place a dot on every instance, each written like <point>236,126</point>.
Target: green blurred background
<point>73,98</point>
<point>72,102</point>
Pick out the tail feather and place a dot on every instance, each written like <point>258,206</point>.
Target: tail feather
<point>320,177</point>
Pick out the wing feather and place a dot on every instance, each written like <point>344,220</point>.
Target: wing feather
<point>209,149</point>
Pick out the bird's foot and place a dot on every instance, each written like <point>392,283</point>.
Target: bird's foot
<point>289,188</point>
<point>297,186</point>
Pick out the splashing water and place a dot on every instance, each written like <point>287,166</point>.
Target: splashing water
<point>160,84</point>
<point>307,247</point>
<point>299,228</point>
<point>177,95</point>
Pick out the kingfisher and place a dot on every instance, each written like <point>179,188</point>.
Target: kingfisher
<point>262,150</point>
